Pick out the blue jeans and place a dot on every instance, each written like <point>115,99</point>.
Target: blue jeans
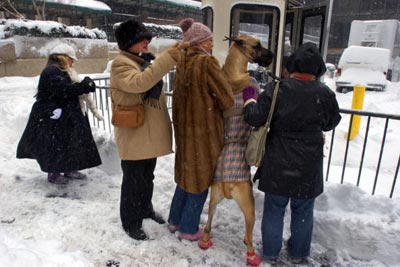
<point>186,209</point>
<point>301,226</point>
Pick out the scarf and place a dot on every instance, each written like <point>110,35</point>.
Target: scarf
<point>152,96</point>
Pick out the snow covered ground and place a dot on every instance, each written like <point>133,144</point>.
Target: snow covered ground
<point>44,225</point>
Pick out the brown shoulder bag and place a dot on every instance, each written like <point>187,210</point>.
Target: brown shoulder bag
<point>128,116</point>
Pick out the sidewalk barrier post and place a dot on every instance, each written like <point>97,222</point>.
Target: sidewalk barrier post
<point>357,103</point>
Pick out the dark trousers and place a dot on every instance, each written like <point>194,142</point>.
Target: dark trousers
<point>186,210</point>
<point>301,225</point>
<point>136,192</point>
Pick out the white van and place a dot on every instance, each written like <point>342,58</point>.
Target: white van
<point>361,65</point>
<point>379,33</point>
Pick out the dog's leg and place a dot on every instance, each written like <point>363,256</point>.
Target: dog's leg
<point>215,197</point>
<point>242,193</point>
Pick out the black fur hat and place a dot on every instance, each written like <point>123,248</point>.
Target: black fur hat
<point>131,32</point>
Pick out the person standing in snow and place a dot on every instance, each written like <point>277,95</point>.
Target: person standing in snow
<point>293,161</point>
<point>134,80</point>
<point>201,93</point>
<point>58,133</point>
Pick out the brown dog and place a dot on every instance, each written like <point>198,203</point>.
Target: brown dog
<point>244,49</point>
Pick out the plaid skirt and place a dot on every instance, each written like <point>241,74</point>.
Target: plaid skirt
<point>231,165</point>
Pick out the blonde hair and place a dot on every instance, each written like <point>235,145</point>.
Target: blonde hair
<point>59,60</point>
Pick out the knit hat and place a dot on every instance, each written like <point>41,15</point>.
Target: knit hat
<point>194,32</point>
<point>64,49</point>
<point>131,32</point>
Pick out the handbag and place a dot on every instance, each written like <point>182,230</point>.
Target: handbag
<point>128,116</point>
<point>255,148</point>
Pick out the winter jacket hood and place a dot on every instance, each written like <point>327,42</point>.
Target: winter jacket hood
<point>306,59</point>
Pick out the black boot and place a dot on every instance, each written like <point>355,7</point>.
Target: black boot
<point>137,234</point>
<point>135,230</point>
<point>157,217</point>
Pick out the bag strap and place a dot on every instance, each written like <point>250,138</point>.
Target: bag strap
<point>273,102</point>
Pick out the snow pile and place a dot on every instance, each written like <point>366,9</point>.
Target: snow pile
<point>37,28</point>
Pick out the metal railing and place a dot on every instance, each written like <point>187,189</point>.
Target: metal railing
<point>341,160</point>
<point>369,115</point>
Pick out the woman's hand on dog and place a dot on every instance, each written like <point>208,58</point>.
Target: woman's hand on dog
<point>248,93</point>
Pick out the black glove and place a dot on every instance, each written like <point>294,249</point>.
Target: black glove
<point>88,85</point>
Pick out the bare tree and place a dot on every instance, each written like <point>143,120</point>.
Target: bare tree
<point>40,9</point>
<point>8,7</point>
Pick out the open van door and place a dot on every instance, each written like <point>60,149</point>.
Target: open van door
<point>308,24</point>
<point>281,25</point>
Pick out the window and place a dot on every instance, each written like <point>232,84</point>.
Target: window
<point>312,29</point>
<point>258,21</point>
<point>208,17</point>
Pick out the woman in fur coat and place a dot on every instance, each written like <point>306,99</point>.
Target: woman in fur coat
<point>201,93</point>
<point>58,134</point>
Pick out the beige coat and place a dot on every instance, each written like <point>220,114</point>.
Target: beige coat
<point>127,83</point>
<point>201,93</point>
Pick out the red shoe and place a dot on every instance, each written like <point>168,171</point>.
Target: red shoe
<point>253,259</point>
<point>191,237</point>
<point>203,244</point>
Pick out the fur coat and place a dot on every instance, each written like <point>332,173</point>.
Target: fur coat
<point>201,94</point>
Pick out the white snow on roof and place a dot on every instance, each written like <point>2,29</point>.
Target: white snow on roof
<point>360,56</point>
<point>91,4</point>
<point>190,3</point>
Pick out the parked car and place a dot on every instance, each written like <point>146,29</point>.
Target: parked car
<point>361,65</point>
<point>330,70</point>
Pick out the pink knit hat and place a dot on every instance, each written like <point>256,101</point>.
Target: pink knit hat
<point>194,32</point>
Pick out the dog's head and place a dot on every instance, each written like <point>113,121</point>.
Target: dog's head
<point>251,47</point>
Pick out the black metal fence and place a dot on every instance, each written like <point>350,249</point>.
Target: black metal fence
<point>343,155</point>
<point>391,125</point>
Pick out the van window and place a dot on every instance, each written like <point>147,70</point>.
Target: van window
<point>256,20</point>
<point>208,17</point>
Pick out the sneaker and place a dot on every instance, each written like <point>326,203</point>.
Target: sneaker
<point>56,178</point>
<point>271,261</point>
<point>253,259</point>
<point>75,175</point>
<point>302,260</point>
<point>173,228</point>
<point>191,237</point>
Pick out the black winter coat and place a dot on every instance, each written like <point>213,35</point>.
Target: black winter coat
<point>64,144</point>
<point>293,160</point>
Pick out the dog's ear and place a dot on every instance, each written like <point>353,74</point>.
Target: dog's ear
<point>227,38</point>
<point>237,41</point>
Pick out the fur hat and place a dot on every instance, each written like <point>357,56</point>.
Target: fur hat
<point>64,49</point>
<point>131,32</point>
<point>194,32</point>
